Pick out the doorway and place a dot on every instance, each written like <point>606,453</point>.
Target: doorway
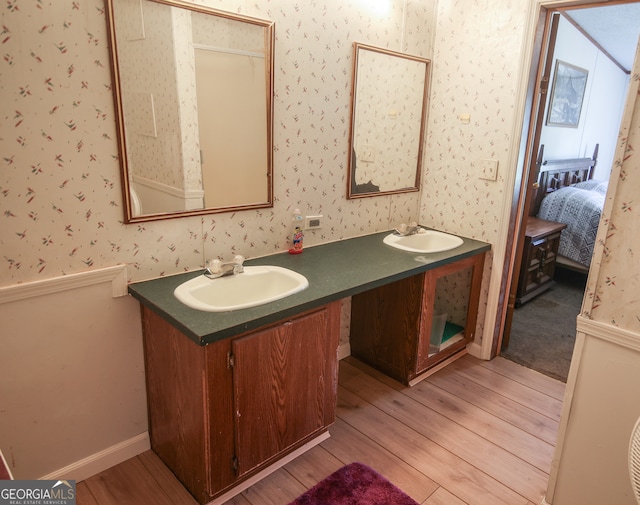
<point>570,284</point>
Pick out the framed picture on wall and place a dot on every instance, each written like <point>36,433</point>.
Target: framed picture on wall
<point>567,95</point>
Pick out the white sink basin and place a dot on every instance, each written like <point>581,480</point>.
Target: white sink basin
<point>255,286</point>
<point>427,241</point>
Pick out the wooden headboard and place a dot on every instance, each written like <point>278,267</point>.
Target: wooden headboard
<point>556,174</point>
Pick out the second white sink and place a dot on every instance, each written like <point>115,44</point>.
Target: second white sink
<point>427,241</point>
<point>257,285</point>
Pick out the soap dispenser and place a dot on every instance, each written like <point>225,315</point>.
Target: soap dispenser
<point>297,233</point>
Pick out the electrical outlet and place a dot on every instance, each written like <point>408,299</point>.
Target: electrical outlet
<point>489,170</point>
<point>366,154</point>
<point>312,222</point>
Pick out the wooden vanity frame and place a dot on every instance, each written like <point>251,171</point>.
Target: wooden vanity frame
<point>391,325</point>
<point>204,371</point>
<point>224,415</point>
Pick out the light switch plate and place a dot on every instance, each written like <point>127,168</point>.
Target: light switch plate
<point>489,170</point>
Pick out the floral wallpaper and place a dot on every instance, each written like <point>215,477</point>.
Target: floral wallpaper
<point>476,76</point>
<point>60,191</point>
<point>481,82</point>
<point>151,85</point>
<point>613,290</point>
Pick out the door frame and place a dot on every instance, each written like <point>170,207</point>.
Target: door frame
<point>548,24</point>
<point>521,157</point>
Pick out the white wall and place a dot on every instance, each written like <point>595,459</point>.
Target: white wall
<point>594,467</point>
<point>602,106</point>
<point>73,384</point>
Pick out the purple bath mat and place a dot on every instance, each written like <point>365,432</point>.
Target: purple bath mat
<point>354,484</point>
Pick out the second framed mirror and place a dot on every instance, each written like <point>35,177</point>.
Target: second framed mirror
<point>388,116</point>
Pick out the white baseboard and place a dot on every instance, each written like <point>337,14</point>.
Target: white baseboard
<point>544,501</point>
<point>100,461</point>
<point>344,350</point>
<point>475,350</point>
<point>243,486</point>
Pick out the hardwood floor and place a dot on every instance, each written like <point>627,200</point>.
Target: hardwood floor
<point>476,432</point>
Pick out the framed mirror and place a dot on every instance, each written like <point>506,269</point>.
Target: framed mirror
<point>193,91</point>
<point>388,117</point>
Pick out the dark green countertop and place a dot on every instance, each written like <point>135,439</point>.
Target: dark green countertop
<point>335,270</point>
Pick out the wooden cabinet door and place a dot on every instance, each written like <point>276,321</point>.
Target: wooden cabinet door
<point>472,268</point>
<point>280,387</point>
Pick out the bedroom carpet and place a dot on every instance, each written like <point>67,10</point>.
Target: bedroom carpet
<point>544,329</point>
<point>354,484</point>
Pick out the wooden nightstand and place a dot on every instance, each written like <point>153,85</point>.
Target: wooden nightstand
<point>542,239</point>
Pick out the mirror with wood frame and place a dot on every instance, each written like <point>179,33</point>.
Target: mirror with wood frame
<point>193,90</point>
<point>388,116</point>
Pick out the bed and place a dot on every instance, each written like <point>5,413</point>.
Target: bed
<point>567,193</point>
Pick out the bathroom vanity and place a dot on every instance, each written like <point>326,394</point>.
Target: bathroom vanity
<point>234,395</point>
<point>222,412</point>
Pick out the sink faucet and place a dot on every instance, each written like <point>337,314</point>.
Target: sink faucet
<point>405,230</point>
<point>217,268</point>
